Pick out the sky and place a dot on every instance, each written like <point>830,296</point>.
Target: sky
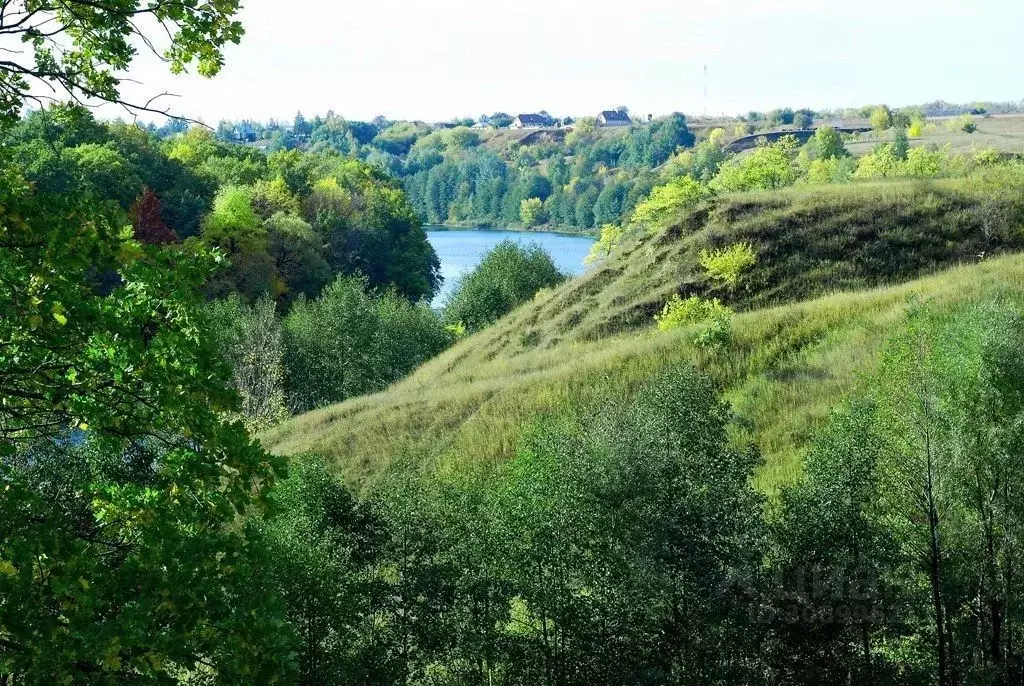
<point>451,58</point>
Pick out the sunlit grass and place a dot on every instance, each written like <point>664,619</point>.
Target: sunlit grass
<point>783,370</point>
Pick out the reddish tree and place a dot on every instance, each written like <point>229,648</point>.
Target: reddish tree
<point>149,227</point>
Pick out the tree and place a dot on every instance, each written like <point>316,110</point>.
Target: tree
<point>531,212</point>
<point>233,227</point>
<point>147,223</point>
<point>665,201</point>
<point>321,551</point>
<point>610,238</point>
<point>122,476</point>
<point>350,341</point>
<point>767,168</point>
<point>828,144</point>
<point>508,276</point>
<point>77,47</point>
<point>249,339</point>
<point>881,118</point>
<point>803,119</point>
<point>298,255</point>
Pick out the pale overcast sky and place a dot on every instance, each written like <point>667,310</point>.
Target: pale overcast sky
<point>446,58</point>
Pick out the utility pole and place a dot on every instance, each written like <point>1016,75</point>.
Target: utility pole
<point>705,91</point>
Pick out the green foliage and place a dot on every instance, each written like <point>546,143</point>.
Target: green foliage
<point>531,212</point>
<point>350,342</point>
<point>298,254</point>
<point>322,552</point>
<point>881,118</point>
<point>830,171</point>
<point>121,473</point>
<point>508,276</point>
<point>678,313</point>
<point>828,144</point>
<point>768,167</point>
<point>803,119</point>
<point>962,124</point>
<point>249,339</point>
<point>910,490</point>
<point>728,264</point>
<point>610,238</point>
<point>75,47</point>
<point>883,162</point>
<point>668,200</point>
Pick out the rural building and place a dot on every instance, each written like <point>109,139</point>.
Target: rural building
<point>529,121</point>
<point>613,118</point>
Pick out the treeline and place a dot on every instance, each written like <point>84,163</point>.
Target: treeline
<point>582,181</point>
<point>629,546</point>
<point>288,222</point>
<point>584,177</point>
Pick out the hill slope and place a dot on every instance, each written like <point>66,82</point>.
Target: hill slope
<point>591,340</point>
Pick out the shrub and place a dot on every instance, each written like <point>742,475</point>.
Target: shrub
<point>508,275</point>
<point>881,163</point>
<point>693,310</point>
<point>833,170</point>
<point>727,264</point>
<point>964,123</point>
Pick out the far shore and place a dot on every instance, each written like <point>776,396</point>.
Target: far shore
<point>564,230</point>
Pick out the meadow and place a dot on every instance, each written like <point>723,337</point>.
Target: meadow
<point>835,274</point>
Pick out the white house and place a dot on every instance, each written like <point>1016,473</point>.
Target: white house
<point>529,121</point>
<point>613,118</point>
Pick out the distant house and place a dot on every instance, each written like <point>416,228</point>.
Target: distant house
<point>530,121</point>
<point>613,118</point>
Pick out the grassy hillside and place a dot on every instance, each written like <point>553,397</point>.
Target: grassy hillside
<point>809,241</point>
<point>591,340</point>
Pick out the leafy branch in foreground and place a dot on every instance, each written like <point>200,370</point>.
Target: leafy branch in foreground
<point>76,48</point>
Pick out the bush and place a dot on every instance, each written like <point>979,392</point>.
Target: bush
<point>727,264</point>
<point>508,275</point>
<point>964,123</point>
<point>678,313</point>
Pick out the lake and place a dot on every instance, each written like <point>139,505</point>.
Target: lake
<point>462,249</point>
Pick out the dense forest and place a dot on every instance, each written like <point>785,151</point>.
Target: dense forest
<point>166,296</point>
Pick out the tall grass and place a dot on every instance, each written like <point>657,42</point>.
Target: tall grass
<point>783,369</point>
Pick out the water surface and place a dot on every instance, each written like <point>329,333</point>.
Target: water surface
<point>462,249</point>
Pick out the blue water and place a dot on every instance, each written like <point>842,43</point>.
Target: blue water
<point>462,249</point>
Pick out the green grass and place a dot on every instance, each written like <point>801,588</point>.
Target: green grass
<point>784,369</point>
<point>833,277</point>
<point>1005,133</point>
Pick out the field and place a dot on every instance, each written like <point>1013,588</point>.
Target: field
<point>1005,133</point>
<point>834,277</point>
